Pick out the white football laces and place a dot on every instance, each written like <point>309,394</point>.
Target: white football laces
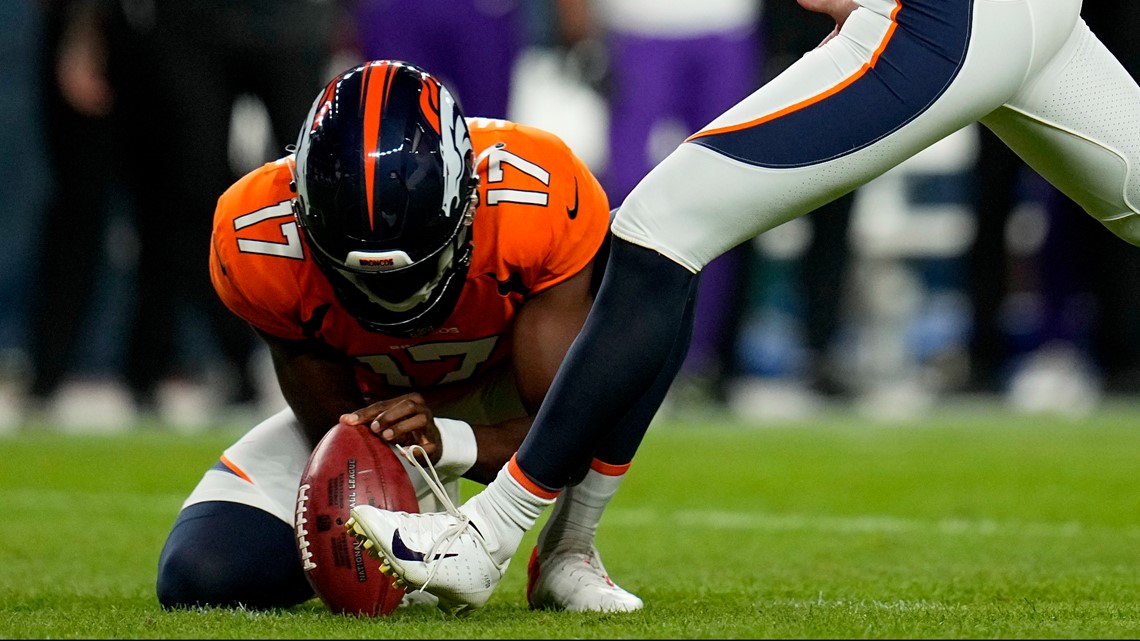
<point>447,539</point>
<point>303,533</point>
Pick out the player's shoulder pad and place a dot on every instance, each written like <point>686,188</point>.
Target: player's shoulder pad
<point>274,177</point>
<point>256,255</point>
<point>538,199</point>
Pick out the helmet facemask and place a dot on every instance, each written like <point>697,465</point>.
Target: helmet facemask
<point>405,301</point>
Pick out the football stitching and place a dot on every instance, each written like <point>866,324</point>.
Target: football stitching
<point>302,533</point>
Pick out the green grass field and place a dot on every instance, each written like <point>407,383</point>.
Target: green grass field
<point>968,524</point>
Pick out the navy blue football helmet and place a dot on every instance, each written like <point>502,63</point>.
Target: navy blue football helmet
<point>386,193</point>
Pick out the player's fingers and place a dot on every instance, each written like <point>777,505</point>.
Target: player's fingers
<point>837,9</point>
<point>373,411</point>
<point>400,419</point>
<point>352,418</point>
<point>406,427</point>
<point>421,438</point>
<point>392,413</point>
<point>366,415</point>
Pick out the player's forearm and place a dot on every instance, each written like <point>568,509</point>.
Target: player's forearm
<point>317,386</point>
<point>317,418</point>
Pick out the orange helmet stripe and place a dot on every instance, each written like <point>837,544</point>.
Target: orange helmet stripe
<point>326,104</point>
<point>429,104</point>
<point>372,100</point>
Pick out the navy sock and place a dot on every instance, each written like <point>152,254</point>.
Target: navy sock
<point>222,554</point>
<point>617,371</point>
<point>621,444</point>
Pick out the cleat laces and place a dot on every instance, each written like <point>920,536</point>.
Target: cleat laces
<point>451,534</point>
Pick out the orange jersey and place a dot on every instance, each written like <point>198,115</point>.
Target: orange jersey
<point>541,218</point>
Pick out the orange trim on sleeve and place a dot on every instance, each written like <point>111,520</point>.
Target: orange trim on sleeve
<point>817,98</point>
<point>235,469</point>
<point>609,469</point>
<point>529,485</point>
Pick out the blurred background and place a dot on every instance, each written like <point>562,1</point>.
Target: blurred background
<point>958,276</point>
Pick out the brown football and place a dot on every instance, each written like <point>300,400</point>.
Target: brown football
<point>350,466</point>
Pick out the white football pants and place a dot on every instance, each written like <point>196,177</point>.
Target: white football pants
<point>264,467</point>
<point>901,75</point>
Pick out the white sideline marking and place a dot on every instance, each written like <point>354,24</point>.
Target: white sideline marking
<point>727,520</point>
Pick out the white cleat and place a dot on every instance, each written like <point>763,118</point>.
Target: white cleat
<point>575,580</point>
<point>439,553</point>
<point>418,599</point>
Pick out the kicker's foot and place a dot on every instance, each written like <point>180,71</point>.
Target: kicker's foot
<point>443,554</point>
<point>575,580</point>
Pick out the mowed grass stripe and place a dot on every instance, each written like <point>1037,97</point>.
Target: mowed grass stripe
<point>33,500</point>
<point>765,522</point>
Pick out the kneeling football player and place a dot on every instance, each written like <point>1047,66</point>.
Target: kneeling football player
<point>416,272</point>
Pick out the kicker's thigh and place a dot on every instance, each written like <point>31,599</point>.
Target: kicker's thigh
<point>1077,122</point>
<point>898,78</point>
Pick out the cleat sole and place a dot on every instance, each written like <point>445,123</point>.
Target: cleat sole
<point>357,531</point>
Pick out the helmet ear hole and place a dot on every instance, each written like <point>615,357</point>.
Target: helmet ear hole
<point>384,164</point>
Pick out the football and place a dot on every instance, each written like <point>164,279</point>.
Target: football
<point>350,466</point>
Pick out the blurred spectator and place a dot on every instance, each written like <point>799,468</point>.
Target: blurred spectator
<point>1105,273</point>
<point>996,179</point>
<point>1086,338</point>
<point>84,153</point>
<point>660,89</point>
<point>22,193</point>
<point>145,95</point>
<point>181,68</point>
<point>472,45</point>
<point>789,32</point>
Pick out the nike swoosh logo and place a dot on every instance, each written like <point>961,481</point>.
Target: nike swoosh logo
<point>405,553</point>
<point>513,283</point>
<point>312,325</point>
<point>572,212</point>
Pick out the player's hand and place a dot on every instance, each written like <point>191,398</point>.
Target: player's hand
<point>81,70</point>
<point>837,9</point>
<point>404,420</point>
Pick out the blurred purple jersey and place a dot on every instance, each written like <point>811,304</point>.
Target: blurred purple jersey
<point>470,44</point>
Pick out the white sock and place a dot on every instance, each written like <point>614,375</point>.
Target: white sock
<point>504,511</point>
<point>577,512</point>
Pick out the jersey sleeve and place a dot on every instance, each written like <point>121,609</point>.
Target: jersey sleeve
<point>552,213</point>
<point>254,249</point>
